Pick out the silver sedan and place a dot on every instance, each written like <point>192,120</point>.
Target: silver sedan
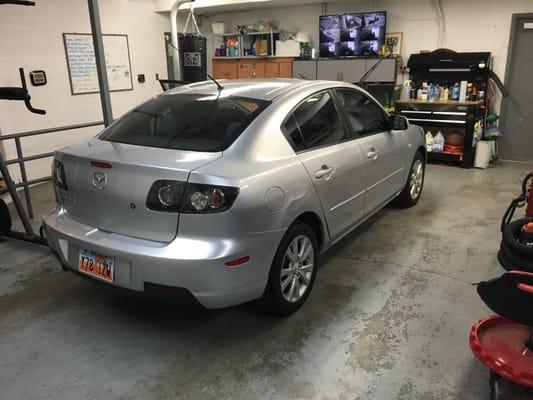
<point>229,194</point>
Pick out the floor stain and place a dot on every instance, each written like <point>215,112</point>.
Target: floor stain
<point>376,347</point>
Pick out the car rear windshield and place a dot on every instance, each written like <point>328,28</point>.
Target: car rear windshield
<point>186,122</point>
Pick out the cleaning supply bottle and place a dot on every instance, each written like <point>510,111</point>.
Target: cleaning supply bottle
<point>424,91</point>
<point>387,104</point>
<point>455,91</point>
<point>436,93</point>
<point>473,93</point>
<point>429,141</point>
<point>438,142</point>
<point>446,95</point>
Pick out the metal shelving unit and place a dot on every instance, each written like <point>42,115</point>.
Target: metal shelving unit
<point>245,40</point>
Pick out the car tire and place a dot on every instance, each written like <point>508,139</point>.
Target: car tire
<point>512,261</point>
<point>412,190</point>
<point>5,218</point>
<point>511,232</point>
<point>291,281</point>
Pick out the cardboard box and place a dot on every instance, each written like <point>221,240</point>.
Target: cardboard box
<point>287,48</point>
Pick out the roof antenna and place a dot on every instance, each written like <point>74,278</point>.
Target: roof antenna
<point>219,86</point>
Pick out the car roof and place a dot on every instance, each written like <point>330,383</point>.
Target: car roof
<point>264,89</point>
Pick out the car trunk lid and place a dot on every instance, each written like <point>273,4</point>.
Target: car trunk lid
<point>108,184</point>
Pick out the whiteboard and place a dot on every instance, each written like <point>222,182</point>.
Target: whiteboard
<point>82,65</point>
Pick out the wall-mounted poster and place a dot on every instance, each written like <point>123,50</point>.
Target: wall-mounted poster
<point>393,43</point>
<point>81,62</point>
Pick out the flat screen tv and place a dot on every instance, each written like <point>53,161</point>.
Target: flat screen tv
<point>357,34</point>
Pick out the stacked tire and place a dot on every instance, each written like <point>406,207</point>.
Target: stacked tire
<point>516,248</point>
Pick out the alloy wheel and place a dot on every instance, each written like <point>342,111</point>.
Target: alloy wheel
<point>297,268</point>
<point>416,179</point>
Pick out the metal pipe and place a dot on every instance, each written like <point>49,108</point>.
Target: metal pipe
<point>14,196</point>
<point>29,158</point>
<point>50,130</point>
<point>32,182</point>
<point>174,36</point>
<point>99,55</point>
<point>24,177</point>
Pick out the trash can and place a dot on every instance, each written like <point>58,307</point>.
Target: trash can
<point>483,154</point>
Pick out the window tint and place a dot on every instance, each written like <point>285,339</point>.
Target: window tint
<point>318,122</point>
<point>293,133</point>
<point>186,122</point>
<point>364,116</point>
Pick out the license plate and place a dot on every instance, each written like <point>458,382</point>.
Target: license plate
<point>97,265</point>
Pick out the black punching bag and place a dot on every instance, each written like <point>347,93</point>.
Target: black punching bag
<point>193,57</point>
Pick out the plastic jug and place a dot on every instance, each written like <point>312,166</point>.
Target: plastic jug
<point>438,142</point>
<point>406,90</point>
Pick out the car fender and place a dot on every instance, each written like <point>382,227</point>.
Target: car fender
<point>272,194</point>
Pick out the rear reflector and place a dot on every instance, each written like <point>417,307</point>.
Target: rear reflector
<point>238,261</point>
<point>100,164</point>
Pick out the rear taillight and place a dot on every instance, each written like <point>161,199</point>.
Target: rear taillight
<point>165,196</point>
<point>190,198</point>
<point>58,175</point>
<point>206,199</point>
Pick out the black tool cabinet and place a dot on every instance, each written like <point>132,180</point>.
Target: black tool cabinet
<point>447,117</point>
<point>445,67</point>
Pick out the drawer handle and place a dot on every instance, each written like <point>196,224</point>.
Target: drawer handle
<point>442,121</point>
<point>449,113</point>
<point>415,112</point>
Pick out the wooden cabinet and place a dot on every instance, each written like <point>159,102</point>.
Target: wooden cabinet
<point>225,69</point>
<point>272,69</point>
<point>285,69</point>
<point>278,69</point>
<point>252,68</point>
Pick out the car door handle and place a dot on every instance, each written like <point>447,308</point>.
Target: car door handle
<point>324,172</point>
<point>372,153</point>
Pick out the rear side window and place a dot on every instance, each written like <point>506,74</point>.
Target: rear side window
<point>364,116</point>
<point>315,123</point>
<point>186,122</point>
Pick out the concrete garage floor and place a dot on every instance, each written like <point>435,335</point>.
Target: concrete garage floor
<point>388,318</point>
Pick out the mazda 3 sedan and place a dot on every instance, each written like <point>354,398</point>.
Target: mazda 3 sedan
<point>230,192</point>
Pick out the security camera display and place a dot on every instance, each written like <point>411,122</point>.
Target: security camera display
<point>329,29</point>
<point>347,35</point>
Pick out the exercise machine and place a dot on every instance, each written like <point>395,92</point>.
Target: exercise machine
<point>17,94</point>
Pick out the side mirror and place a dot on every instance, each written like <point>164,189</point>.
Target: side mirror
<point>398,123</point>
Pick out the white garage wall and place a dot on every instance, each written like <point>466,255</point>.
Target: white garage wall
<point>31,37</point>
<point>472,25</point>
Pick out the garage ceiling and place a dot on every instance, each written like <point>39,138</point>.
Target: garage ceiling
<point>217,6</point>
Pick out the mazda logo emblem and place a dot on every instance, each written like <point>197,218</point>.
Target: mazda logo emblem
<point>99,180</point>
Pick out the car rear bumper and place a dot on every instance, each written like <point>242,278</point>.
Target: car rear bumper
<point>194,263</point>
